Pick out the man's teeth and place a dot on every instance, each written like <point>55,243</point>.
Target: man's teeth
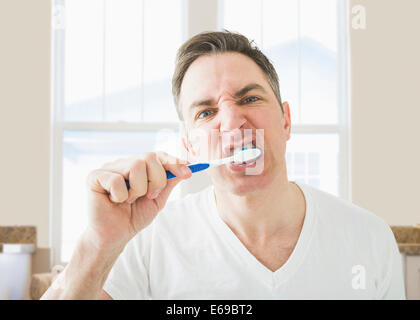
<point>237,150</point>
<point>238,156</point>
<point>247,146</point>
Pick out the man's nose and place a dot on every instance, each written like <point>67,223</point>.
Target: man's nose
<point>231,117</point>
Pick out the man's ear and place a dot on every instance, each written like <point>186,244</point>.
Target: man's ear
<point>287,126</point>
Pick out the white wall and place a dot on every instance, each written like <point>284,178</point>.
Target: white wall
<point>385,69</point>
<point>25,114</point>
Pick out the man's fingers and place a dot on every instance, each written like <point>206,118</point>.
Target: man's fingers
<point>175,165</point>
<point>164,194</point>
<point>156,175</point>
<point>147,174</point>
<point>137,177</point>
<point>108,182</point>
<point>167,159</point>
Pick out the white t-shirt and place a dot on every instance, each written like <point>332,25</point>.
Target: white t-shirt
<point>188,252</point>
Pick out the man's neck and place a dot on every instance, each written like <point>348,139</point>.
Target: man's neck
<point>267,215</point>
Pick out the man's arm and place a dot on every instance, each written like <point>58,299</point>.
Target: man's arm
<point>124,198</point>
<point>86,273</point>
<point>105,296</point>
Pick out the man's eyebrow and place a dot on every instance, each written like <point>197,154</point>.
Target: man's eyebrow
<point>247,88</point>
<point>238,94</point>
<point>199,103</point>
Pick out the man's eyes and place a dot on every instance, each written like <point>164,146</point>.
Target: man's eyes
<point>208,112</point>
<point>205,114</point>
<point>250,99</point>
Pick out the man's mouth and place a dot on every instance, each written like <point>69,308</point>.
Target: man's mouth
<point>244,163</point>
<point>232,149</point>
<point>240,166</point>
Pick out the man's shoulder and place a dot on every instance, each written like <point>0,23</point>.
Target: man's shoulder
<point>351,226</point>
<point>335,210</point>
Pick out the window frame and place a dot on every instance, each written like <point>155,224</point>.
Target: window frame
<point>191,26</point>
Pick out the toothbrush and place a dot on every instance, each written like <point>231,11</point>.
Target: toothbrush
<point>244,155</point>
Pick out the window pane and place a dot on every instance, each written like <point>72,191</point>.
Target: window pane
<point>123,56</point>
<point>243,16</point>
<point>163,35</point>
<point>318,49</point>
<point>119,59</point>
<point>318,21</point>
<point>300,38</point>
<point>84,151</point>
<point>313,159</point>
<point>280,39</point>
<point>83,66</point>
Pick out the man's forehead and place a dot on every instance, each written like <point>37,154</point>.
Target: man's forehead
<point>209,77</point>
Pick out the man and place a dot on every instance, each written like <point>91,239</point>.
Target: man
<point>248,236</point>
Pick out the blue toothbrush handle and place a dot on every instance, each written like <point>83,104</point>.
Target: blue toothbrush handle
<point>194,168</point>
<point>169,175</point>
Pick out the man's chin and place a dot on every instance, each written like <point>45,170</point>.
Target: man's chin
<point>242,180</point>
<point>245,184</point>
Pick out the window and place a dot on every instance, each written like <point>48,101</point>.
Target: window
<point>306,42</point>
<point>112,68</point>
<point>118,60</point>
<point>113,64</point>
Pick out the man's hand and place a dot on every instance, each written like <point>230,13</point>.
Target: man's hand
<point>117,214</point>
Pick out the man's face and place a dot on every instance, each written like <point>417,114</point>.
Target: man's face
<point>226,94</point>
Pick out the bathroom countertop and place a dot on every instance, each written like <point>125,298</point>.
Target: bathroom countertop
<point>408,239</point>
<point>409,248</point>
<point>17,234</point>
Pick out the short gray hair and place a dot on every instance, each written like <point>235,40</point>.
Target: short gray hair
<point>208,43</point>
